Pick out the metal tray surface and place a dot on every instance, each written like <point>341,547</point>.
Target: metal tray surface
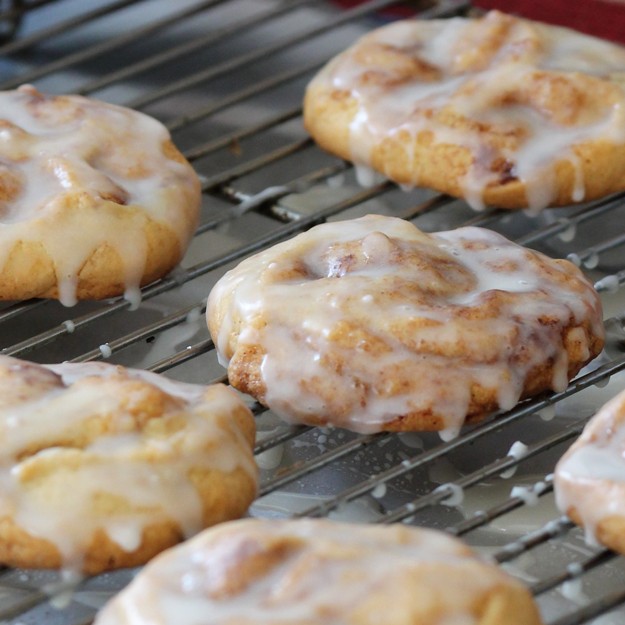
<point>227,77</point>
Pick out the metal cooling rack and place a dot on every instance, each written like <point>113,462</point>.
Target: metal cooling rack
<point>227,77</point>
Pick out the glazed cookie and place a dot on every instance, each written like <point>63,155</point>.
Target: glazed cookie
<point>498,110</point>
<point>95,199</point>
<point>102,467</point>
<point>589,480</point>
<point>317,571</point>
<point>372,325</point>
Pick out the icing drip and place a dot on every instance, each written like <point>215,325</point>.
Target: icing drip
<point>90,173</point>
<point>517,451</point>
<point>381,320</point>
<point>516,77</point>
<point>456,494</point>
<point>109,434</point>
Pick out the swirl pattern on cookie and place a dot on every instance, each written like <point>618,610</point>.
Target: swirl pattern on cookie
<point>589,480</point>
<point>372,325</point>
<point>318,571</point>
<point>499,110</point>
<point>95,200</point>
<point>102,467</point>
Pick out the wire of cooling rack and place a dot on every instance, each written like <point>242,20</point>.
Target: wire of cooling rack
<point>260,172</point>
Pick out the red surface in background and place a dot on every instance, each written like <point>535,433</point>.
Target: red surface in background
<point>595,17</point>
<point>602,18</point>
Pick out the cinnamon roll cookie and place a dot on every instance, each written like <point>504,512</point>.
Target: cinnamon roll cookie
<point>95,200</point>
<point>497,110</point>
<point>373,325</point>
<point>317,571</point>
<point>589,480</point>
<point>102,467</point>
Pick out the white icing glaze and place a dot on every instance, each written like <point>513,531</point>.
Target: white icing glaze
<point>43,411</point>
<point>529,494</point>
<point>449,433</point>
<point>456,494</point>
<point>70,373</point>
<point>484,89</point>
<point>590,477</point>
<point>547,413</point>
<point>573,590</point>
<point>379,491</point>
<point>62,592</point>
<point>610,284</point>
<point>569,231</point>
<point>321,572</point>
<point>517,451</point>
<point>68,155</point>
<point>295,300</point>
<point>270,459</point>
<point>105,350</point>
